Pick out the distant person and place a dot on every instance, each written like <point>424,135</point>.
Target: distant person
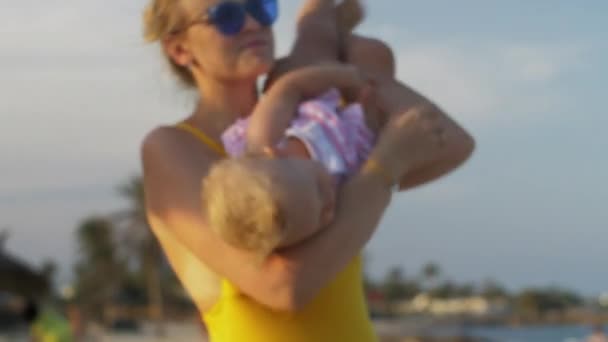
<point>598,335</point>
<point>46,324</point>
<point>76,321</point>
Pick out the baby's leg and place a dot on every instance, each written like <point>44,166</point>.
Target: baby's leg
<point>316,41</point>
<point>317,33</point>
<point>374,58</point>
<point>371,55</point>
<point>393,98</point>
<point>349,14</point>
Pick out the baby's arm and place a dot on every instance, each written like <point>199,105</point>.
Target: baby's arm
<point>277,107</point>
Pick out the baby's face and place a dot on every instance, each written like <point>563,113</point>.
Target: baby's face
<point>308,198</point>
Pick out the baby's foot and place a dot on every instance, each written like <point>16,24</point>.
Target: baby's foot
<point>312,8</point>
<point>349,14</point>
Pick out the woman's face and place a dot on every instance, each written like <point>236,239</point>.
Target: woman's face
<point>245,55</point>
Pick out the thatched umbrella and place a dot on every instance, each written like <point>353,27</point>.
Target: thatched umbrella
<point>18,278</point>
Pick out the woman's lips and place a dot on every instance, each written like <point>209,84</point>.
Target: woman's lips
<point>256,43</point>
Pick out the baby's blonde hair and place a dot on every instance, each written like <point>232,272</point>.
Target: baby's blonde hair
<point>162,18</point>
<point>242,207</point>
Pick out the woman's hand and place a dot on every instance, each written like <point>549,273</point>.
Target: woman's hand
<point>410,139</point>
<point>422,144</point>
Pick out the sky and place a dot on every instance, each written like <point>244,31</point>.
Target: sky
<point>80,89</point>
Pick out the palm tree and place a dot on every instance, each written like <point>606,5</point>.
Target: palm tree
<point>17,276</point>
<point>49,272</point>
<point>393,287</point>
<point>491,289</point>
<point>99,271</point>
<point>141,245</point>
<point>430,272</point>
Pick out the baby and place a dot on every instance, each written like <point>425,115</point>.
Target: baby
<point>277,184</point>
<point>286,197</point>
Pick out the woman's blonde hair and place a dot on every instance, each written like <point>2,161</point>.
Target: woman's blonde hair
<point>162,18</point>
<point>241,204</point>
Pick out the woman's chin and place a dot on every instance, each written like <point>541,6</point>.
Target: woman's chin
<point>257,67</point>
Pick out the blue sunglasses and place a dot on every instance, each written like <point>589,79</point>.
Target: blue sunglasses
<point>229,16</point>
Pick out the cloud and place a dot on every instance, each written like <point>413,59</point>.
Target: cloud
<point>74,25</point>
<point>540,63</point>
<point>67,72</point>
<point>481,81</point>
<point>65,77</point>
<point>102,39</point>
<point>447,76</point>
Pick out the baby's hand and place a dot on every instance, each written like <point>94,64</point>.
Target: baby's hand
<point>363,88</point>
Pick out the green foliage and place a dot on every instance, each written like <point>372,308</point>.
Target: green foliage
<point>120,260</point>
<point>541,301</point>
<point>450,289</point>
<point>99,270</point>
<point>491,289</point>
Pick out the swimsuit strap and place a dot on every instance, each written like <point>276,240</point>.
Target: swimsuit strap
<point>202,137</point>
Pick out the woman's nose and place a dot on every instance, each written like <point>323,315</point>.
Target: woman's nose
<point>251,24</point>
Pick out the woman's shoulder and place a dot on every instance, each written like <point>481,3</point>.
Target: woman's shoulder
<point>156,145</point>
<point>169,142</point>
<point>160,136</point>
<point>172,166</point>
<point>157,137</point>
<point>169,157</point>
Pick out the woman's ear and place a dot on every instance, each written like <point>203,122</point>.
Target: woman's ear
<point>177,49</point>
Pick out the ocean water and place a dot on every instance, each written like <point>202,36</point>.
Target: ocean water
<point>533,334</point>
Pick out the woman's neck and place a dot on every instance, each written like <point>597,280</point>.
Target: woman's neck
<point>222,103</point>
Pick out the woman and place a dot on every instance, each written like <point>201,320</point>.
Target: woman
<point>292,296</point>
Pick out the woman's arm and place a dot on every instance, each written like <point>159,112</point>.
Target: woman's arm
<point>277,107</point>
<point>458,147</point>
<point>455,144</point>
<point>174,166</point>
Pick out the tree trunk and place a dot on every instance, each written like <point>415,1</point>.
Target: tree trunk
<point>155,296</point>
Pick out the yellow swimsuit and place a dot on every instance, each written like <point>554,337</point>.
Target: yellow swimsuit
<point>338,313</point>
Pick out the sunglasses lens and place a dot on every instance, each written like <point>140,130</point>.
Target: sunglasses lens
<point>229,17</point>
<point>264,11</point>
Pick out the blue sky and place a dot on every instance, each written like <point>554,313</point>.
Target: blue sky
<point>527,78</point>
